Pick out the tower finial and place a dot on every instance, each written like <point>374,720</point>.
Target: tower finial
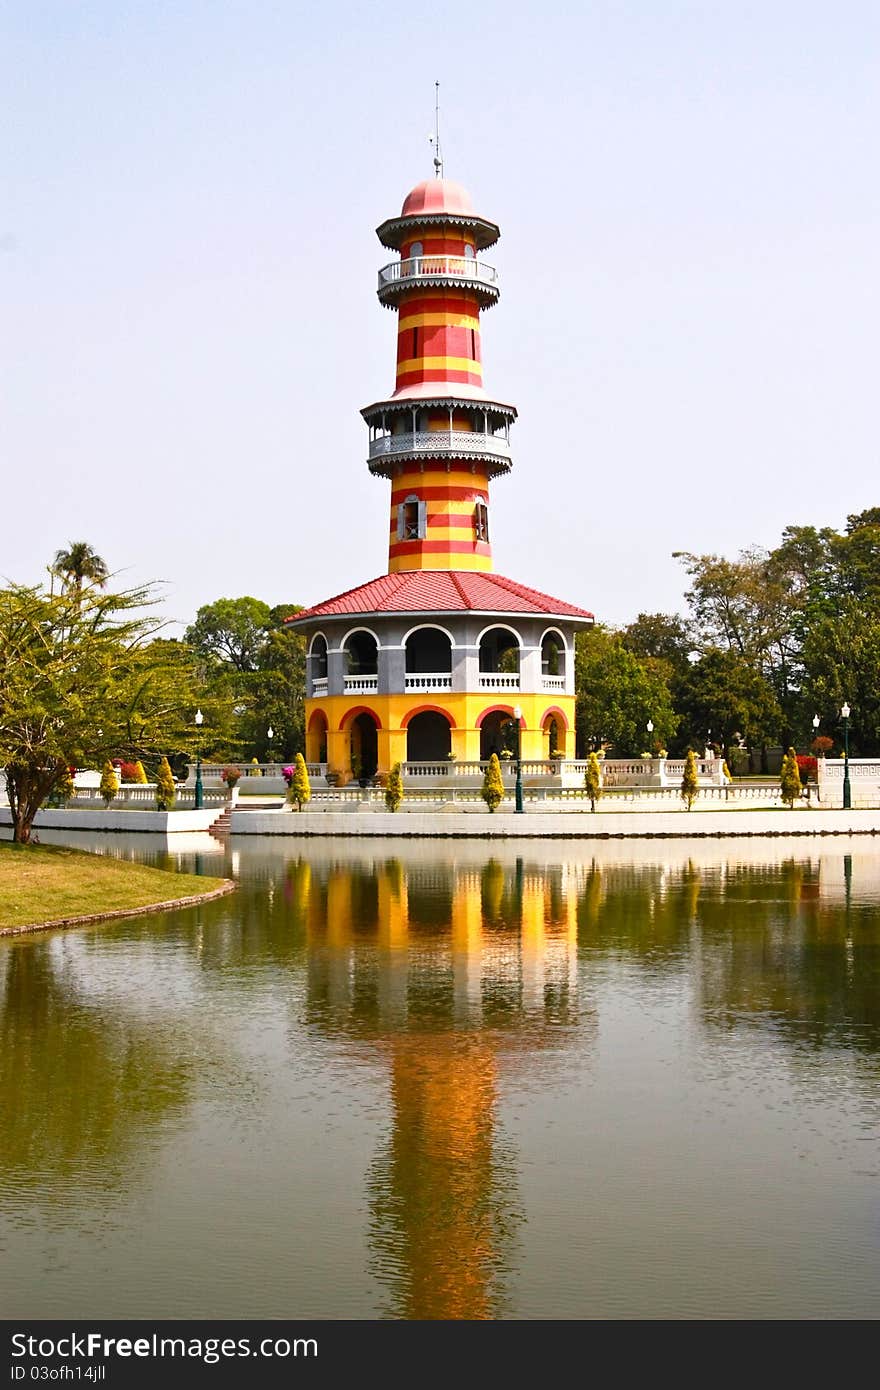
<point>435,138</point>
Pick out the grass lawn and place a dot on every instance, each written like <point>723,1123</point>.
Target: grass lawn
<point>44,883</point>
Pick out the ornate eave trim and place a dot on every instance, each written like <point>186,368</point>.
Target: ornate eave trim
<point>450,399</point>
<point>395,230</point>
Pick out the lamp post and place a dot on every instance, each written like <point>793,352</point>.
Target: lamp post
<point>200,791</point>
<point>270,734</point>
<point>517,791</point>
<point>650,727</point>
<point>847,790</point>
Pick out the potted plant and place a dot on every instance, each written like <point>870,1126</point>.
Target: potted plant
<point>230,776</point>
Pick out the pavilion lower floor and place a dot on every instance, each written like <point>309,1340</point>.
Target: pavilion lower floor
<point>364,735</point>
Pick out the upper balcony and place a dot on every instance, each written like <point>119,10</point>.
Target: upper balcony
<point>493,449</point>
<point>456,271</point>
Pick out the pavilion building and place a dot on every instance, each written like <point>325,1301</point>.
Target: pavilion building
<point>440,658</point>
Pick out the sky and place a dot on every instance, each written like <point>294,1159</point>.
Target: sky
<point>690,308</point>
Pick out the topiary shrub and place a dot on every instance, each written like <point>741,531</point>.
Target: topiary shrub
<point>165,788</point>
<point>255,770</point>
<point>300,790</point>
<point>593,780</point>
<point>790,779</point>
<point>690,782</point>
<point>109,783</point>
<point>492,790</point>
<point>140,774</point>
<point>394,788</point>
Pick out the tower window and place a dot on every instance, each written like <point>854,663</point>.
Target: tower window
<point>481,520</point>
<point>474,344</point>
<point>415,347</point>
<point>412,519</point>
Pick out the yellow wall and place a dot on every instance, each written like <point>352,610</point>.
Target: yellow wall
<point>463,710</point>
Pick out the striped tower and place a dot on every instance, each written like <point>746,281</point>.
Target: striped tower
<point>439,438</point>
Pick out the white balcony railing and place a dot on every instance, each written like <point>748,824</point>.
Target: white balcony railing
<point>436,680</point>
<point>319,685</point>
<point>361,685</point>
<point>553,683</point>
<point>458,442</point>
<point>501,680</point>
<point>438,267</point>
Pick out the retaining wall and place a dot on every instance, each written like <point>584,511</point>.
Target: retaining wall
<point>151,822</point>
<point>364,820</point>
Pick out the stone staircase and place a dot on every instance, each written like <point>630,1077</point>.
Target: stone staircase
<point>221,826</point>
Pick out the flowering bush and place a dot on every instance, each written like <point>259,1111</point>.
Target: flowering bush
<point>230,776</point>
<point>807,767</point>
<point>128,772</point>
<point>287,774</point>
<point>822,745</point>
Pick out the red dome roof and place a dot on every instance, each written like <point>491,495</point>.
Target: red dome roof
<point>437,195</point>
<point>442,591</point>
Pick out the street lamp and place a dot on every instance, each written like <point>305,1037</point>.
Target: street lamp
<point>270,734</point>
<point>200,791</point>
<point>847,790</point>
<point>517,792</point>
<point>650,727</point>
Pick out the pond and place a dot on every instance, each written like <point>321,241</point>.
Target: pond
<point>453,1079</point>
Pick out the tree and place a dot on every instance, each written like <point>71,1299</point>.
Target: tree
<point>593,780</point>
<point>79,683</point>
<point>300,790</point>
<point>80,562</point>
<point>492,790</point>
<point>231,630</point>
<point>841,663</point>
<point>109,783</point>
<point>394,790</point>
<point>660,637</point>
<point>166,791</point>
<point>617,693</point>
<point>723,692</point>
<point>140,774</point>
<point>690,782</point>
<point>790,779</point>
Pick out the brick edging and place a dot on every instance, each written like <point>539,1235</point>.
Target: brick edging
<point>227,886</point>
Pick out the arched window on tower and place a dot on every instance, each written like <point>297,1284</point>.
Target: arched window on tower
<point>481,520</point>
<point>412,519</point>
<point>415,256</point>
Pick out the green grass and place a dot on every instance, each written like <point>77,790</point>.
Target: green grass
<point>46,883</point>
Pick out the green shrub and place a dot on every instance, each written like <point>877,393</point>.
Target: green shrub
<point>690,782</point>
<point>492,790</point>
<point>165,788</point>
<point>593,780</point>
<point>109,782</point>
<point>790,779</point>
<point>394,789</point>
<point>300,790</point>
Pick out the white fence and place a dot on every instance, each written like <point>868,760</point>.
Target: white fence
<point>864,781</point>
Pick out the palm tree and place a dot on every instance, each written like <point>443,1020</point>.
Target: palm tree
<point>80,562</point>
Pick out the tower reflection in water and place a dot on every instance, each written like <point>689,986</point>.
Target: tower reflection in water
<point>459,978</point>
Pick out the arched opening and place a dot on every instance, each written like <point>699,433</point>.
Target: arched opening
<point>554,728</point>
<point>318,657</point>
<point>363,745</point>
<point>316,738</point>
<point>361,654</point>
<point>428,737</point>
<point>552,655</point>
<point>499,651</point>
<point>428,652</point>
<point>499,733</point>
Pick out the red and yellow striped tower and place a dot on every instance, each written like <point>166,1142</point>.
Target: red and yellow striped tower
<point>439,662</point>
<point>439,437</point>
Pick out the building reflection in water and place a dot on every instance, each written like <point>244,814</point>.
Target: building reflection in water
<point>461,979</point>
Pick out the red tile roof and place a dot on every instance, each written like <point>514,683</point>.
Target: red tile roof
<point>441,591</point>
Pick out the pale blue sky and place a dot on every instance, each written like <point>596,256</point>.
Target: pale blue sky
<point>688,199</point>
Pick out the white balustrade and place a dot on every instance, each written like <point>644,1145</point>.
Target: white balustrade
<point>437,680</point>
<point>319,685</point>
<point>553,683</point>
<point>438,267</point>
<point>499,680</point>
<point>459,442</point>
<point>361,685</point>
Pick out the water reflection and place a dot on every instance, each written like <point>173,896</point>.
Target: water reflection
<point>451,975</point>
<point>480,1013</point>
